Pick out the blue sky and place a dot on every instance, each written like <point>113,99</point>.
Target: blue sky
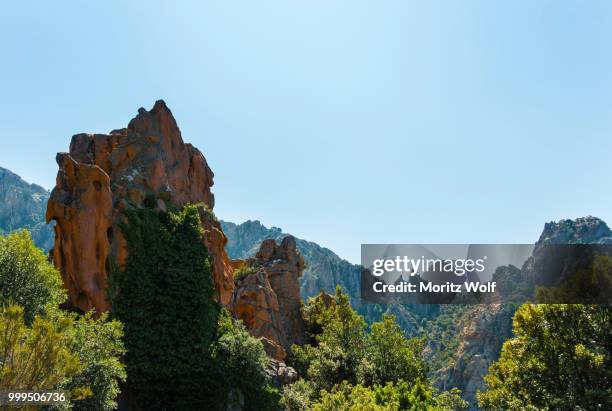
<point>340,121</point>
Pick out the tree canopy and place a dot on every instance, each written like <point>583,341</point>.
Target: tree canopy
<point>559,359</point>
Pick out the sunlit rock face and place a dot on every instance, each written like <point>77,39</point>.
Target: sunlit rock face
<point>268,299</point>
<point>102,174</point>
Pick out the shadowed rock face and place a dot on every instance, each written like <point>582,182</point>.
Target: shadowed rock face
<point>268,300</point>
<point>103,173</point>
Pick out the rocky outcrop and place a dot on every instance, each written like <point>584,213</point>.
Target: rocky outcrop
<point>284,265</point>
<point>267,296</point>
<point>483,331</point>
<point>22,206</point>
<point>585,230</point>
<point>324,269</point>
<point>256,304</point>
<point>280,373</point>
<point>103,174</point>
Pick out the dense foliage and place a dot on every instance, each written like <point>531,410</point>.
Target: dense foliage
<point>183,352</point>
<point>560,359</point>
<point>98,345</point>
<point>43,347</point>
<point>26,277</point>
<point>241,363</point>
<point>348,367</point>
<point>390,397</point>
<point>165,300</point>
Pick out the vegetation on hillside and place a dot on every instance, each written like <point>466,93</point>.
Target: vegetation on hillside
<point>560,359</point>
<point>347,366</point>
<point>183,351</point>
<point>45,348</point>
<point>22,206</point>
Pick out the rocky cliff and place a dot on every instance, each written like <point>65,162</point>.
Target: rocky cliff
<point>101,175</point>
<point>484,328</point>
<point>267,295</point>
<point>22,206</point>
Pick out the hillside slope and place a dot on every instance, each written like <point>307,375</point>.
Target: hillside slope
<point>22,205</point>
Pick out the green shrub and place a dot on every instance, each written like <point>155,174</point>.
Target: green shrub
<point>62,352</point>
<point>398,396</point>
<point>298,396</point>
<point>37,356</point>
<point>241,361</point>
<point>98,345</point>
<point>243,271</point>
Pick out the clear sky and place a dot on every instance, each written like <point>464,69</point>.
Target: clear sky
<point>341,122</point>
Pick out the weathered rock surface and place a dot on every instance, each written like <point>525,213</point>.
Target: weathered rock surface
<point>256,304</point>
<point>22,206</point>
<point>267,300</point>
<point>284,265</point>
<point>101,175</point>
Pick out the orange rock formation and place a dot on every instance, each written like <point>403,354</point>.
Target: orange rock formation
<point>268,300</point>
<point>147,161</point>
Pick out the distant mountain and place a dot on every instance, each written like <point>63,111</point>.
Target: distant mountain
<point>23,205</point>
<point>324,270</point>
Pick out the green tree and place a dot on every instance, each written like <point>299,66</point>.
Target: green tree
<point>348,368</point>
<point>99,346</point>
<point>46,348</point>
<point>241,363</point>
<point>398,396</point>
<point>340,347</point>
<point>559,359</point>
<point>298,396</point>
<point>164,297</point>
<point>26,276</point>
<point>391,356</point>
<point>346,397</point>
